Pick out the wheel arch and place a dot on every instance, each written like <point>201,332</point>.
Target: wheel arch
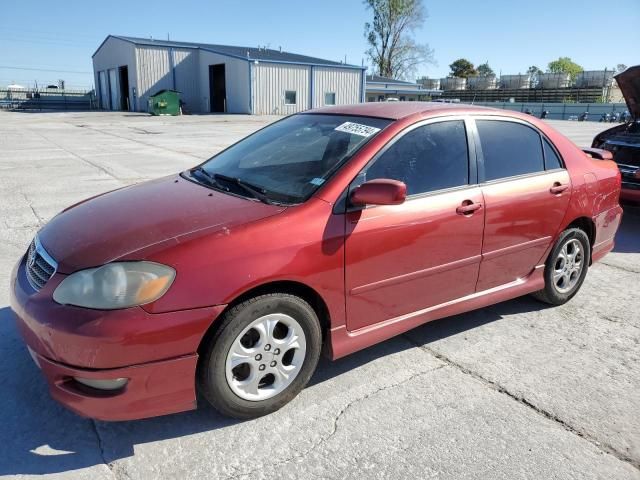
<point>587,225</point>
<point>299,289</point>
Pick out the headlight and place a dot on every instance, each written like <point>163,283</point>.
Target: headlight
<point>115,285</point>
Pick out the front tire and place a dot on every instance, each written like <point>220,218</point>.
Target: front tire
<point>566,267</point>
<point>261,357</point>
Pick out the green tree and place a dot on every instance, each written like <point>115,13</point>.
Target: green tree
<point>462,68</point>
<point>485,70</point>
<point>392,49</point>
<point>534,70</point>
<point>565,65</point>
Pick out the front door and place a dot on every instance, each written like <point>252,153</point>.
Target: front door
<point>401,259</point>
<point>217,88</point>
<point>526,193</point>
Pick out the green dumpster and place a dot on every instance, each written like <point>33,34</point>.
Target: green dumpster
<point>165,102</point>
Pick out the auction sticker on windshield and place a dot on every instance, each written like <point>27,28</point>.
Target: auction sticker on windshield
<point>357,129</point>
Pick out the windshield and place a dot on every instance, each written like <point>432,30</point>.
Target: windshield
<point>289,160</point>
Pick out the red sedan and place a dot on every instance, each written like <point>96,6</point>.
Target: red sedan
<point>341,227</point>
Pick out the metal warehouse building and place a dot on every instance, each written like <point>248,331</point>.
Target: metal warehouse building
<point>380,89</point>
<point>220,78</point>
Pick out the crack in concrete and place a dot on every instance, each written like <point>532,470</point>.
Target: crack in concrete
<point>618,267</point>
<point>334,428</point>
<point>81,158</point>
<point>117,471</point>
<point>39,219</point>
<point>123,137</point>
<point>600,445</point>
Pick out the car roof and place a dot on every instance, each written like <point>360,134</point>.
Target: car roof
<point>398,110</point>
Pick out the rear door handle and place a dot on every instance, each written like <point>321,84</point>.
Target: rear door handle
<point>468,207</point>
<point>558,188</point>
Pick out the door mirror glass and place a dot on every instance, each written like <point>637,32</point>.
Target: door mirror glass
<point>382,191</point>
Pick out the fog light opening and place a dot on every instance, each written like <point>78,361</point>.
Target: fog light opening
<point>106,385</point>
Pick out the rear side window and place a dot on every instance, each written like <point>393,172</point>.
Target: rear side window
<point>430,157</point>
<point>509,149</point>
<point>551,159</point>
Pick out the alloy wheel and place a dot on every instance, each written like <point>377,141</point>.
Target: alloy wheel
<point>266,357</point>
<point>568,266</point>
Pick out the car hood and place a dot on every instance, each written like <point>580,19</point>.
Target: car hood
<point>629,83</point>
<point>155,213</point>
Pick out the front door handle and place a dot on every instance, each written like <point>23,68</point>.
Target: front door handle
<point>468,207</point>
<point>558,188</point>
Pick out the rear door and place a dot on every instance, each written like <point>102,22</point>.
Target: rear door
<point>401,259</point>
<point>526,192</point>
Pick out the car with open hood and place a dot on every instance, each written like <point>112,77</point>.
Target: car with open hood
<point>329,230</point>
<point>623,141</point>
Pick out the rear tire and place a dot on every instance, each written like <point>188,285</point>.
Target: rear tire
<point>566,267</point>
<point>261,357</point>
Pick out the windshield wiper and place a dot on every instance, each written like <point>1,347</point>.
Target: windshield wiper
<point>253,190</point>
<point>210,179</point>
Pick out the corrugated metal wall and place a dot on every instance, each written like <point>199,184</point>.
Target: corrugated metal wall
<point>271,80</point>
<point>186,62</point>
<point>113,54</point>
<point>345,83</point>
<point>236,82</point>
<point>154,72</point>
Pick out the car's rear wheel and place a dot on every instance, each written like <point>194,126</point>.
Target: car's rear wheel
<point>566,267</point>
<point>261,356</point>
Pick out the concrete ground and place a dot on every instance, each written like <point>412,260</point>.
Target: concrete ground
<point>516,390</point>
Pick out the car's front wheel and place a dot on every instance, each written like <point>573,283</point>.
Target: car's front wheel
<point>566,267</point>
<point>261,356</point>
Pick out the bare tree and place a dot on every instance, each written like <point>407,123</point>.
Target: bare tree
<point>392,48</point>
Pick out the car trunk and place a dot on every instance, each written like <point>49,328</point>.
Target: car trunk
<point>624,140</point>
<point>629,83</point>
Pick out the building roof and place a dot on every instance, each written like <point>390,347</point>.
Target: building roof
<point>373,90</point>
<point>380,79</point>
<point>245,53</point>
<point>398,110</point>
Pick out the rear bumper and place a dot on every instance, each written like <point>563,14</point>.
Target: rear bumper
<point>153,389</point>
<point>607,224</point>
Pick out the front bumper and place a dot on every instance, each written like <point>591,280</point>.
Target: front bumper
<point>153,389</point>
<point>156,352</point>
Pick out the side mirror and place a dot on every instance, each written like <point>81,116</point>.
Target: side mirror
<point>382,191</point>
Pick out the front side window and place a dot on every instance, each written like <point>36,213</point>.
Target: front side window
<point>427,158</point>
<point>289,160</point>
<point>290,97</point>
<point>509,149</point>
<point>330,98</point>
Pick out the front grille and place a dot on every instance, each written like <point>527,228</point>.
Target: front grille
<point>40,267</point>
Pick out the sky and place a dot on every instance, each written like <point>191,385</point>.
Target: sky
<point>49,41</point>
